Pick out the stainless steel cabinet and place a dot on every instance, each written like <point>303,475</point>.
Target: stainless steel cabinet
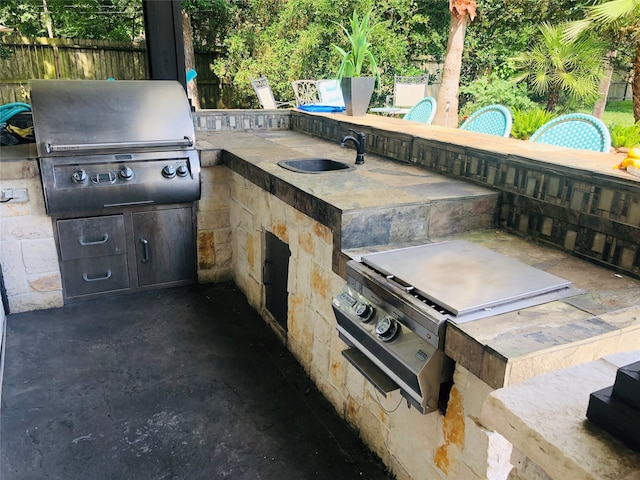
<point>132,250</point>
<point>164,246</point>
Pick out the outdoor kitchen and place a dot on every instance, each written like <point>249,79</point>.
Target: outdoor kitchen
<point>410,360</point>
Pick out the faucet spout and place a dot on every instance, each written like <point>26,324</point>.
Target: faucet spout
<point>358,141</point>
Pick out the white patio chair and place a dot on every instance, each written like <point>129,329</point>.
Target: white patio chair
<point>407,91</point>
<point>265,95</point>
<point>306,92</point>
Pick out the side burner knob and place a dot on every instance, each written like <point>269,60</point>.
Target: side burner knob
<point>169,171</point>
<point>79,176</point>
<point>126,173</point>
<point>182,171</point>
<point>364,311</point>
<point>386,328</point>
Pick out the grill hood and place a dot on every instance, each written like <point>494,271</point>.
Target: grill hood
<point>99,116</point>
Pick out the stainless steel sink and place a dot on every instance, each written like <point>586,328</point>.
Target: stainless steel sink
<point>315,165</point>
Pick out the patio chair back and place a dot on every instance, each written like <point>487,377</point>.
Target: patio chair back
<point>330,93</point>
<point>492,119</point>
<point>407,91</point>
<point>575,130</point>
<point>423,111</point>
<point>306,92</point>
<point>265,95</point>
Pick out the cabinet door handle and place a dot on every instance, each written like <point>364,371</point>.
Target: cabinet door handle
<point>265,272</point>
<point>106,276</point>
<point>145,250</point>
<point>97,242</point>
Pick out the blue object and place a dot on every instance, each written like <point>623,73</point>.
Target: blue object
<point>492,119</point>
<point>191,74</point>
<point>321,108</point>
<point>575,130</point>
<point>10,109</point>
<point>423,111</point>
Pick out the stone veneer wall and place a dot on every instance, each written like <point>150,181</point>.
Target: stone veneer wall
<point>593,217</point>
<point>27,248</point>
<point>412,445</point>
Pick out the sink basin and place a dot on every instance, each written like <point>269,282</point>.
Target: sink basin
<point>314,165</point>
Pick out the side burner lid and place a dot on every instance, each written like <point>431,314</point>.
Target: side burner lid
<point>464,277</point>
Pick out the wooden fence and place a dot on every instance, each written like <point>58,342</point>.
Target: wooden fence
<point>35,58</point>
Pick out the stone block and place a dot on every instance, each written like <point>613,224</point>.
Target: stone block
<point>26,228</point>
<point>26,302</point>
<point>39,256</point>
<point>13,271</point>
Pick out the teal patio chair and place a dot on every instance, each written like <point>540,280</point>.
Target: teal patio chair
<point>423,111</point>
<point>575,130</point>
<point>492,119</point>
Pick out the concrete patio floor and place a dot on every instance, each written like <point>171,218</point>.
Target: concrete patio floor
<point>185,383</point>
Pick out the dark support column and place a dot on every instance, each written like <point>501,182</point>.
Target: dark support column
<point>165,47</point>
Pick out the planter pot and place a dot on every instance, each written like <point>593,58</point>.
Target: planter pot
<point>357,93</point>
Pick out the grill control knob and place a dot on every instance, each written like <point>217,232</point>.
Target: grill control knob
<point>364,311</point>
<point>182,171</point>
<point>169,171</point>
<point>386,328</point>
<point>126,173</point>
<point>79,176</point>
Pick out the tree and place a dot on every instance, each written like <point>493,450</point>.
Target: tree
<point>554,67</point>
<point>624,15</point>
<point>462,12</point>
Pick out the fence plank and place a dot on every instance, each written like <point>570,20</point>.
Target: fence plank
<point>33,58</point>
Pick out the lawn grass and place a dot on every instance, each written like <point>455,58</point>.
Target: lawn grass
<point>618,113</point>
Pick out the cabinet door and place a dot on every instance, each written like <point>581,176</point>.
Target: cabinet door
<point>165,246</point>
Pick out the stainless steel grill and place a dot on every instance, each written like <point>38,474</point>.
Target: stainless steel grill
<point>104,144</point>
<point>120,175</point>
<point>396,304</point>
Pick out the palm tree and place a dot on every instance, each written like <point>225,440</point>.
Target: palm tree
<point>462,12</point>
<point>554,67</point>
<point>623,15</point>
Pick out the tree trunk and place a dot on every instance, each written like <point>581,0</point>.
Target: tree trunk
<point>447,103</point>
<point>189,59</point>
<point>605,84</point>
<point>49,25</point>
<point>635,86</point>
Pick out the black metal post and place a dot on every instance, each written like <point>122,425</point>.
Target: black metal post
<point>165,47</point>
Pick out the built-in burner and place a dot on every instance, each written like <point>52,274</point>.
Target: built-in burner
<point>465,278</point>
<point>396,304</point>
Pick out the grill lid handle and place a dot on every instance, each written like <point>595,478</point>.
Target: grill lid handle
<point>85,147</point>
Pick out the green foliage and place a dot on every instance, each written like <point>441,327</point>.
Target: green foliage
<point>120,20</point>
<point>553,67</point>
<point>625,136</point>
<point>491,89</point>
<point>353,60</point>
<point>525,122</point>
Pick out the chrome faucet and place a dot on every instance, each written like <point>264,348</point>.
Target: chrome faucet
<point>358,141</point>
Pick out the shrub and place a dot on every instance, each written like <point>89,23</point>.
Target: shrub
<point>525,122</point>
<point>489,90</point>
<point>625,136</point>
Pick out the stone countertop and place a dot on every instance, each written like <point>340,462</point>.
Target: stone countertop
<point>545,420</point>
<point>579,161</point>
<point>500,350</point>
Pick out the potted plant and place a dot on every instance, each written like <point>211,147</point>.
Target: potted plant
<point>357,89</point>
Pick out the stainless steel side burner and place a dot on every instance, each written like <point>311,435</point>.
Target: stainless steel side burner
<point>395,307</point>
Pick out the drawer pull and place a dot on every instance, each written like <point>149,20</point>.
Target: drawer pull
<point>106,276</point>
<point>104,240</point>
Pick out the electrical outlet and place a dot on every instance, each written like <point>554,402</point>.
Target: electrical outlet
<point>14,195</point>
